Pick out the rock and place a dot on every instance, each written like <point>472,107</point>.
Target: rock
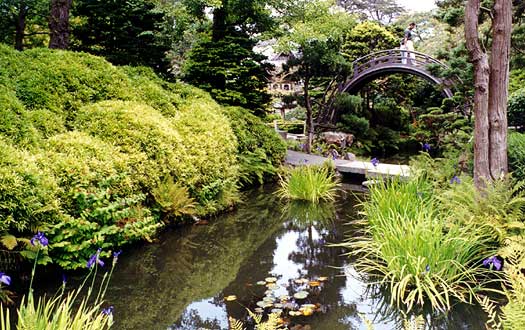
<point>340,139</point>
<point>350,156</point>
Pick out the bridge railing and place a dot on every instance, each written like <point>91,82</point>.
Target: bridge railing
<point>392,56</point>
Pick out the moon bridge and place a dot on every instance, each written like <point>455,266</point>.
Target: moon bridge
<point>386,62</point>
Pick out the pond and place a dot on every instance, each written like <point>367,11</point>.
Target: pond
<point>181,281</point>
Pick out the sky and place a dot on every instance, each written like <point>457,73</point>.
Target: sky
<point>417,5</point>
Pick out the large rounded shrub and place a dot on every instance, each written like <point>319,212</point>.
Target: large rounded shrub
<point>516,109</point>
<point>15,124</point>
<point>196,146</point>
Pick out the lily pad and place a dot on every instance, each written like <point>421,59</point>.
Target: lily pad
<point>314,283</point>
<point>284,297</point>
<point>301,281</point>
<point>295,313</point>
<point>261,283</point>
<point>301,295</point>
<point>322,278</point>
<point>259,310</point>
<point>277,310</point>
<point>277,305</point>
<point>273,286</point>
<point>271,279</point>
<point>308,306</point>
<point>261,304</point>
<point>230,298</point>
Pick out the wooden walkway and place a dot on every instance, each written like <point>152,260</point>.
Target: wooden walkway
<point>347,166</point>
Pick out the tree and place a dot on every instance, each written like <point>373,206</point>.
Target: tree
<point>491,80</point>
<point>125,32</point>
<point>20,19</point>
<point>59,23</point>
<point>224,63</point>
<point>382,11</point>
<point>316,32</point>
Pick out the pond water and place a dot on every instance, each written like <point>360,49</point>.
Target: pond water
<point>181,281</point>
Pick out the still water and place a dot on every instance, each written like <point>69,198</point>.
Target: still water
<point>180,282</point>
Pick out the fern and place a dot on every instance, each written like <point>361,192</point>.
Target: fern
<point>173,199</point>
<point>493,319</point>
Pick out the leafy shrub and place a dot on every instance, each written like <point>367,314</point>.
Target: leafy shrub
<point>260,150</point>
<point>516,108</point>
<point>27,192</point>
<point>418,256</point>
<point>14,121</point>
<point>100,220</point>
<point>62,81</point>
<point>196,147</point>
<point>516,154</point>
<point>358,126</point>
<point>311,183</point>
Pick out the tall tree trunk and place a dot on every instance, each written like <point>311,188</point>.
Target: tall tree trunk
<point>20,28</point>
<point>498,88</point>
<point>490,93</point>
<point>59,24</point>
<point>481,94</point>
<point>309,116</point>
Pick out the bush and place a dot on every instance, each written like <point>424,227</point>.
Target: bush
<point>196,147</point>
<point>260,150</point>
<point>15,123</point>
<point>28,193</point>
<point>516,108</point>
<point>516,154</point>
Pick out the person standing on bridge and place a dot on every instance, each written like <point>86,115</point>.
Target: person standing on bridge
<point>408,44</point>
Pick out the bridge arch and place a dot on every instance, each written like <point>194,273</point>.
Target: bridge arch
<point>386,62</point>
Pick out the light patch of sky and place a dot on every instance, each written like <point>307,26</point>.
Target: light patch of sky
<point>417,5</point>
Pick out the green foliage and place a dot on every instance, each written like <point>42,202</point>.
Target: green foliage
<point>173,199</point>
<point>100,220</point>
<point>15,123</point>
<point>368,37</point>
<point>418,257</point>
<point>260,150</point>
<point>309,182</point>
<point>516,109</point>
<point>27,192</point>
<point>516,154</point>
<point>231,72</point>
<point>498,209</point>
<point>443,129</point>
<point>73,124</point>
<point>124,32</point>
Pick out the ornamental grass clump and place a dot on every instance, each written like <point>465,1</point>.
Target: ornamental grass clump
<point>311,183</point>
<point>412,251</point>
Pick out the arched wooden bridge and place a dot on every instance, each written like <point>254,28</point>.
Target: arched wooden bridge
<point>374,65</point>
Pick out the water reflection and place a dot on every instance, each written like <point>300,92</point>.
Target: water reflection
<point>180,283</point>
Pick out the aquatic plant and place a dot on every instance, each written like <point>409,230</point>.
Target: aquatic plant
<point>411,250</point>
<point>64,311</point>
<point>311,183</point>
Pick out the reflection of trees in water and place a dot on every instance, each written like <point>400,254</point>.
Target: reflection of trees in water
<point>191,320</point>
<point>152,288</point>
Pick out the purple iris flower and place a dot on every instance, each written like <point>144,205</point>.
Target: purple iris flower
<point>426,147</point>
<point>492,262</point>
<point>94,259</point>
<point>115,256</point>
<point>5,278</point>
<point>455,179</point>
<point>107,311</point>
<point>374,161</point>
<point>39,238</point>
<point>64,279</point>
